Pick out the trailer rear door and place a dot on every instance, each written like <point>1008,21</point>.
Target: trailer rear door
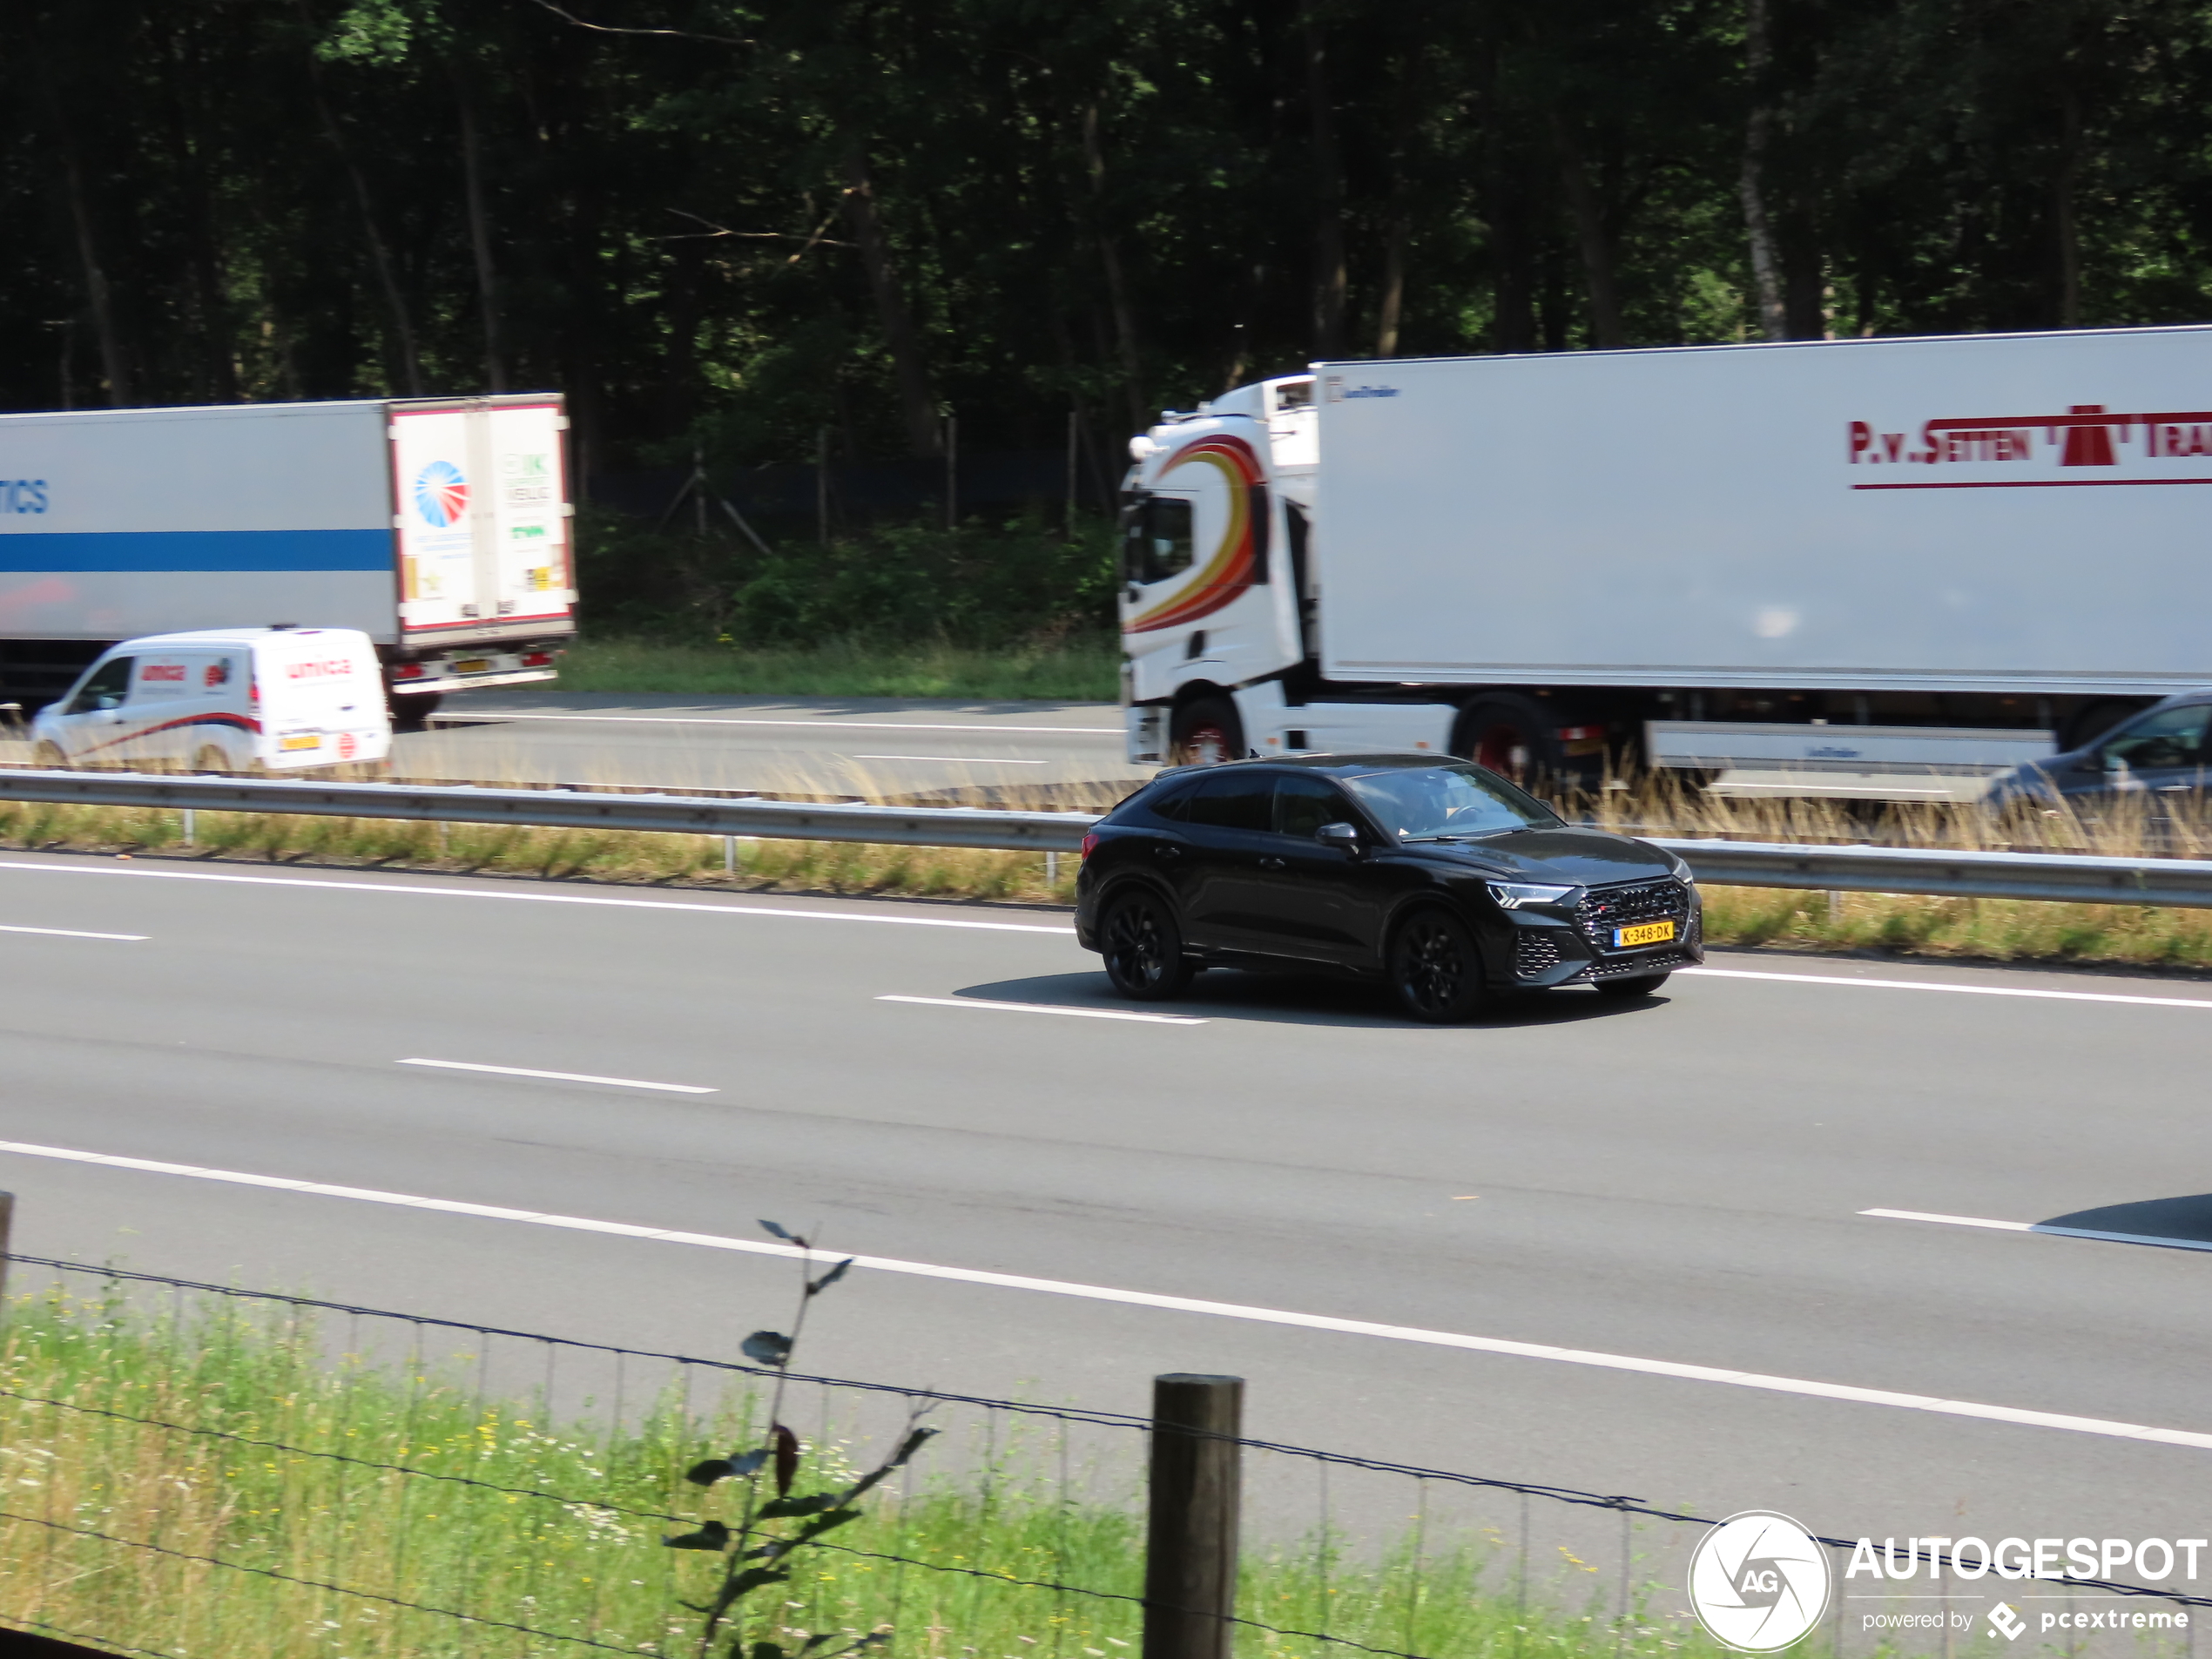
<point>480,505</point>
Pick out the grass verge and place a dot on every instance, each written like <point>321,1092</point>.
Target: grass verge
<point>211,1433</point>
<point>1077,670</point>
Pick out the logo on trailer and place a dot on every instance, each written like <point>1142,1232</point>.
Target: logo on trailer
<point>1759,1581</point>
<point>441,494</point>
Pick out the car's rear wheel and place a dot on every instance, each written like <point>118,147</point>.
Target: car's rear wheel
<point>1623,990</point>
<point>1142,946</point>
<point>1207,732</point>
<point>1435,969</point>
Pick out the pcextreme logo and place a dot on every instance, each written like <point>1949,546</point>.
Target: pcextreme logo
<point>1759,1581</point>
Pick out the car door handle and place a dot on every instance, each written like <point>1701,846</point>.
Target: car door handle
<point>1164,851</point>
<point>1273,863</point>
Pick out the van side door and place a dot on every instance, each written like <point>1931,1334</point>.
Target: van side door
<point>91,725</point>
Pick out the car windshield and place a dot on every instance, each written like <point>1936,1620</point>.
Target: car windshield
<point>1423,802</point>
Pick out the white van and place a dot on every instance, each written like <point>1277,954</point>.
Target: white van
<point>246,699</point>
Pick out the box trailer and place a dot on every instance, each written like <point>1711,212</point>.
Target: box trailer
<point>440,528</point>
<point>1878,567</point>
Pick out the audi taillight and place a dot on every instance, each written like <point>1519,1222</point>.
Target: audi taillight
<point>1089,841</point>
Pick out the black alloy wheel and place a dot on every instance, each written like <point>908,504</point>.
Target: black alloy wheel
<point>1435,969</point>
<point>1143,948</point>
<point>1622,990</point>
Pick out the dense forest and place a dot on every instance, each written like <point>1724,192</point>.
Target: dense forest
<point>743,223</point>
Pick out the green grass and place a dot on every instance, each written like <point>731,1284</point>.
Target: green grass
<point>1078,670</point>
<point>99,1408</point>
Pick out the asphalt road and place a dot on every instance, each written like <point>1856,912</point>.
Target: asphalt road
<point>1677,1186</point>
<point>855,746</point>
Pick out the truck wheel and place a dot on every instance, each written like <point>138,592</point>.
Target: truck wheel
<point>1143,947</point>
<point>1435,969</point>
<point>413,712</point>
<point>49,756</point>
<point>1513,736</point>
<point>1207,732</point>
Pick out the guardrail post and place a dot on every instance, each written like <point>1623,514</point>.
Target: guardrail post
<point>1191,1539</point>
<point>7,1221</point>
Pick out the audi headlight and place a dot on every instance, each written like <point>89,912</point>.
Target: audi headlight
<point>1511,895</point>
<point>1683,874</point>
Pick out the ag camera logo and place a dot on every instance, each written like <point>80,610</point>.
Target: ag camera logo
<point>440,493</point>
<point>1759,1581</point>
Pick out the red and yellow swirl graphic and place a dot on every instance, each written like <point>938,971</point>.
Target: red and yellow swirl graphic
<point>1230,570</point>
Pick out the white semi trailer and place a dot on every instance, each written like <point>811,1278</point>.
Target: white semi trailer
<point>1869,567</point>
<point>439,528</point>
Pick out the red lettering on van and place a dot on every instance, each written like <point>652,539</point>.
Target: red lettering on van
<point>163,672</point>
<point>336,668</point>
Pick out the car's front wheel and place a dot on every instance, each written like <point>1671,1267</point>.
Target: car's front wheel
<point>1142,946</point>
<point>1435,969</point>
<point>1622,990</point>
<point>49,756</point>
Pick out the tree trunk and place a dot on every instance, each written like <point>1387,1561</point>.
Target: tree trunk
<point>1329,276</point>
<point>1116,288</point>
<point>1766,262</point>
<point>1607,331</point>
<point>215,338</point>
<point>479,237</point>
<point>403,329</point>
<point>915,401</point>
<point>1513,321</point>
<point>2065,224</point>
<point>114,364</point>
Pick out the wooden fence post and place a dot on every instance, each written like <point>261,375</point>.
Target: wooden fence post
<point>1191,1541</point>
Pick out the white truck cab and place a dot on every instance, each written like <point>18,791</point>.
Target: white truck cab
<point>250,699</point>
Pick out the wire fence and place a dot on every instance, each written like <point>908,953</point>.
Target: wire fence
<point>193,1469</point>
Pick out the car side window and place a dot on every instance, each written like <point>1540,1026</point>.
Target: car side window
<point>109,685</point>
<point>1303,803</point>
<point>1234,799</point>
<point>2169,738</point>
<point>1172,804</point>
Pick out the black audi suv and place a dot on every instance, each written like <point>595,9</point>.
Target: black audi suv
<point>1440,877</point>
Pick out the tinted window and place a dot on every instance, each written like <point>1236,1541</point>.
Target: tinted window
<point>1234,801</point>
<point>1303,803</point>
<point>109,685</point>
<point>1156,538</point>
<point>2167,737</point>
<point>1172,802</point>
<point>1447,801</point>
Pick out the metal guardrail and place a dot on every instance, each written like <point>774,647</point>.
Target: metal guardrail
<point>2061,877</point>
<point>561,809</point>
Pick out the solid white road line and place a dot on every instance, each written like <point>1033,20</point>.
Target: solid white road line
<point>73,933</point>
<point>530,898</point>
<point>965,760</point>
<point>1041,1007</point>
<point>564,1076</point>
<point>2042,1227</point>
<point>832,723</point>
<point>1937,985</point>
<point>1183,1305</point>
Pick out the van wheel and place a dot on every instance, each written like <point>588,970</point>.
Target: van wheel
<point>210,760</point>
<point>49,756</point>
<point>1207,732</point>
<point>1435,969</point>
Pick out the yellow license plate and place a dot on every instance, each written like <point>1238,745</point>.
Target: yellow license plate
<point>1650,933</point>
<point>300,742</point>
<point>472,665</point>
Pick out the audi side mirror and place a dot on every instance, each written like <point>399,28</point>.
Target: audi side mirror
<point>1343,836</point>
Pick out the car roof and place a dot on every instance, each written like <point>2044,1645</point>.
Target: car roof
<point>1342,766</point>
<point>226,638</point>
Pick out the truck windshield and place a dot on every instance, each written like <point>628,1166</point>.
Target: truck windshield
<point>1421,803</point>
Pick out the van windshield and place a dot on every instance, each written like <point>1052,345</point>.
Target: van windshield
<point>1425,803</point>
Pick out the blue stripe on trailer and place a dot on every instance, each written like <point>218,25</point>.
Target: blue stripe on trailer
<point>89,550</point>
